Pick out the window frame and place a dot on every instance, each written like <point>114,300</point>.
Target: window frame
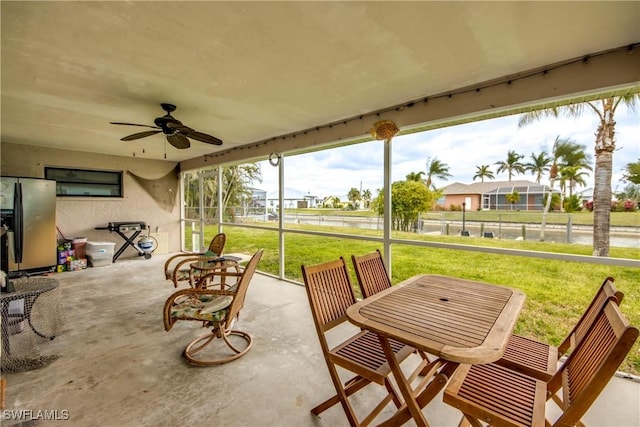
<point>87,180</point>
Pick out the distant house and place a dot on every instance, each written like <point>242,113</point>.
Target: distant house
<point>586,195</point>
<point>493,195</point>
<point>293,199</point>
<point>342,200</point>
<point>258,201</point>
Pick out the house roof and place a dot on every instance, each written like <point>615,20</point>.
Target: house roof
<point>586,194</point>
<point>531,189</point>
<point>487,187</point>
<point>292,194</point>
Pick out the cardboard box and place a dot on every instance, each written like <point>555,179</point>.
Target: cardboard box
<point>77,264</point>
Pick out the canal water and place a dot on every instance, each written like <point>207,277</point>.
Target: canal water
<point>628,237</point>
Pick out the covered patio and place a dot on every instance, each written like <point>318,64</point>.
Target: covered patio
<point>270,79</point>
<point>118,367</point>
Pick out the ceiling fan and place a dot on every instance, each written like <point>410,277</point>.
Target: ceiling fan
<point>177,134</point>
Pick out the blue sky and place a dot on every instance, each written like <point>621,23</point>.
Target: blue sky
<point>461,147</point>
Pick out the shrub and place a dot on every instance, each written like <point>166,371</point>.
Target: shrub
<point>572,204</point>
<point>617,206</point>
<point>629,205</point>
<point>555,202</point>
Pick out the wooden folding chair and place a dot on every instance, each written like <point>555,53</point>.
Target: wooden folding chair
<point>500,396</point>
<point>330,294</point>
<point>371,273</point>
<point>373,278</point>
<point>539,359</point>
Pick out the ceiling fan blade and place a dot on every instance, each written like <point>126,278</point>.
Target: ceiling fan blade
<point>191,133</point>
<point>134,124</point>
<point>179,141</point>
<point>140,135</point>
<point>179,126</point>
<point>203,137</point>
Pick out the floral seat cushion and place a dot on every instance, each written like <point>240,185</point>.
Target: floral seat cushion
<point>203,307</point>
<point>181,274</point>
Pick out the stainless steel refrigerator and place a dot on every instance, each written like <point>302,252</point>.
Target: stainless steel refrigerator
<point>28,210</point>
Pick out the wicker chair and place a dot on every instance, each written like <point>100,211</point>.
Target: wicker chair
<point>176,268</point>
<point>539,359</point>
<point>330,294</point>
<point>218,309</point>
<point>499,396</point>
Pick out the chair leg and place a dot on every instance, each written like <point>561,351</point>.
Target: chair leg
<point>351,386</point>
<point>467,421</point>
<point>343,397</point>
<point>3,387</point>
<point>426,362</point>
<point>392,393</point>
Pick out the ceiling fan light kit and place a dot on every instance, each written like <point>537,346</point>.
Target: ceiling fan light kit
<point>175,132</point>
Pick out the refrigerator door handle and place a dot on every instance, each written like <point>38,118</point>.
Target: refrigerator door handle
<point>18,223</point>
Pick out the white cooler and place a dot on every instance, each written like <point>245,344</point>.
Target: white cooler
<point>100,254</point>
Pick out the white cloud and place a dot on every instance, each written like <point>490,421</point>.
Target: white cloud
<point>462,148</point>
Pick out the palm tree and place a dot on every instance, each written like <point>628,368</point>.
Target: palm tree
<point>573,175</point>
<point>512,198</point>
<point>415,176</point>
<point>605,145</point>
<point>436,169</point>
<point>366,196</point>
<point>354,195</point>
<point>632,172</point>
<point>574,163</point>
<point>483,172</point>
<point>561,147</point>
<point>236,185</point>
<point>538,165</point>
<point>573,158</point>
<point>577,156</point>
<point>512,164</point>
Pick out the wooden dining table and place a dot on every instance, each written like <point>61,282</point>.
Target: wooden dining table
<point>456,320</point>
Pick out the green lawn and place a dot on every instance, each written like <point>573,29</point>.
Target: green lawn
<point>557,291</point>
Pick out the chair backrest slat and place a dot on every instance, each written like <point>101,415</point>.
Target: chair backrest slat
<point>593,363</point>
<point>606,292</point>
<point>371,273</point>
<point>330,294</point>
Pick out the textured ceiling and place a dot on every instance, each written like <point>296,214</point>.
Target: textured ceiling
<point>248,71</point>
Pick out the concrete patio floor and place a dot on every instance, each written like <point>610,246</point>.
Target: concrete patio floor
<point>118,367</point>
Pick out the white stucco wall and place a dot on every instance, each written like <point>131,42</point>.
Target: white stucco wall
<point>78,216</point>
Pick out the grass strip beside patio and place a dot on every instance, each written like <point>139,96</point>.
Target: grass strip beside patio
<point>557,291</point>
